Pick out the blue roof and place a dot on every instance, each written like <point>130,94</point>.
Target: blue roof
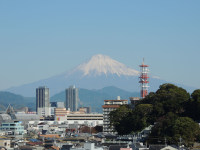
<point>34,140</point>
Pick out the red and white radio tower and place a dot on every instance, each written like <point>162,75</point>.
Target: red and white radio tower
<point>144,79</point>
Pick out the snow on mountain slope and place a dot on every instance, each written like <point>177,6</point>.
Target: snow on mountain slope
<point>99,72</point>
<point>101,64</point>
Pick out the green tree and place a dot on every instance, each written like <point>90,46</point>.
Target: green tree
<point>172,98</point>
<point>196,95</point>
<point>187,129</point>
<point>163,128</point>
<point>126,120</point>
<point>168,98</point>
<point>141,116</point>
<point>169,109</point>
<point>173,127</point>
<point>193,106</point>
<point>120,118</point>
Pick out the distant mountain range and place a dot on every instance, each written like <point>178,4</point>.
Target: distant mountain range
<point>99,72</point>
<point>17,101</point>
<point>95,98</point>
<point>92,98</point>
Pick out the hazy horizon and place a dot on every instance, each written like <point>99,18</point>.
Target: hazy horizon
<point>40,39</point>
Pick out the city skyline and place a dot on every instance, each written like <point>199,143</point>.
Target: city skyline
<point>43,39</point>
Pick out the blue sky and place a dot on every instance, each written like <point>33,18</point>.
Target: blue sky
<point>40,39</point>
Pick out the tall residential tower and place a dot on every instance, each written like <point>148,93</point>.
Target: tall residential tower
<point>110,105</point>
<point>42,101</point>
<point>72,98</point>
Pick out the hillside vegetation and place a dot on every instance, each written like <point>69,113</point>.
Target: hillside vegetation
<point>171,109</point>
<point>17,101</point>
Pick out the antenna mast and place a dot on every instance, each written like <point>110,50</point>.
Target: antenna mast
<point>144,79</point>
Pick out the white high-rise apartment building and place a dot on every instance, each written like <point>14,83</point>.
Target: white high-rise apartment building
<point>110,105</point>
<point>42,101</point>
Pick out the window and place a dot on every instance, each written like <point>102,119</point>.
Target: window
<point>5,124</point>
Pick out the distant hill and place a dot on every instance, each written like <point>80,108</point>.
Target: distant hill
<point>17,101</point>
<point>95,98</point>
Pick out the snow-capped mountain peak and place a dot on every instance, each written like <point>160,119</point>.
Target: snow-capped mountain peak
<point>102,64</point>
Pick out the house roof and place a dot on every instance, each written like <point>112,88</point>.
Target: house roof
<point>50,136</point>
<point>156,147</point>
<point>169,148</point>
<point>25,148</point>
<point>110,106</point>
<point>116,147</point>
<point>55,147</point>
<point>35,143</point>
<point>115,100</point>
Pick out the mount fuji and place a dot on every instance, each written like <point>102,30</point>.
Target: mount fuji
<point>99,72</point>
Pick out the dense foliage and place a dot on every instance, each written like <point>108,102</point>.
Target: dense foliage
<point>120,119</point>
<point>172,111</point>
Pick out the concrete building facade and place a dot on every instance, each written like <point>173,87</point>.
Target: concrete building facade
<point>54,105</point>
<point>42,101</point>
<point>63,115</point>
<point>13,127</point>
<point>110,105</point>
<point>72,98</point>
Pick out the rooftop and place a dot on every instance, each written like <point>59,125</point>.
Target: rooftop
<point>115,100</point>
<point>110,106</point>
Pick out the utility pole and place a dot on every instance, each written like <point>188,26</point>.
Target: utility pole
<point>180,143</point>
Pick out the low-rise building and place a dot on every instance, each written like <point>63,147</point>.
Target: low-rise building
<point>85,109</point>
<point>60,114</point>
<point>5,143</point>
<point>56,105</point>
<point>88,146</point>
<point>13,128</point>
<point>78,117</point>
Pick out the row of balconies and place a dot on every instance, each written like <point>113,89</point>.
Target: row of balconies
<point>115,102</point>
<point>108,109</point>
<point>4,129</point>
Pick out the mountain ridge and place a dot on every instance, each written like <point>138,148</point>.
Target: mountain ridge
<point>93,98</point>
<point>15,100</point>
<point>98,72</point>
